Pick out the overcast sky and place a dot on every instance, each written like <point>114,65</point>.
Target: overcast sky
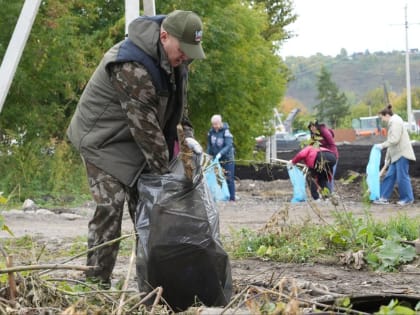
<point>326,26</point>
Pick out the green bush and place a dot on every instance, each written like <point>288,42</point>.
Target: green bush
<point>44,172</point>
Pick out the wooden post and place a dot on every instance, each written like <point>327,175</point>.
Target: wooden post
<point>11,278</point>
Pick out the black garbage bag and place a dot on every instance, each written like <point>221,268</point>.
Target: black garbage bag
<point>179,247</point>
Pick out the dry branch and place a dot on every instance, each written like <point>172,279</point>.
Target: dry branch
<point>43,267</point>
<point>11,279</point>
<point>185,153</point>
<point>127,279</point>
<point>92,249</point>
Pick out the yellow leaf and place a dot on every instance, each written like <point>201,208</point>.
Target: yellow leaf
<point>3,200</point>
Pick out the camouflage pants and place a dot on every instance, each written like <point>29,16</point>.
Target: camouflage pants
<point>105,225</point>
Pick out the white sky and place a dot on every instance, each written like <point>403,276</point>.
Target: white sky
<point>326,26</point>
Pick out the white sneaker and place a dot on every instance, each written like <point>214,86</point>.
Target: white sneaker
<point>380,201</point>
<point>404,203</point>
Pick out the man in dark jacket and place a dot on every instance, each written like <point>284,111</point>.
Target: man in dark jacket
<point>125,122</point>
<point>220,146</point>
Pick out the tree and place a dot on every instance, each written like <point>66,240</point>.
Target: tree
<point>242,79</point>
<point>279,15</point>
<point>332,106</point>
<point>69,38</point>
<point>66,42</point>
<point>289,103</point>
<point>64,46</point>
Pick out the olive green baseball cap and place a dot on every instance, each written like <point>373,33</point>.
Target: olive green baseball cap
<point>187,27</point>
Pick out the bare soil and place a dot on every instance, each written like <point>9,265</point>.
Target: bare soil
<point>258,202</point>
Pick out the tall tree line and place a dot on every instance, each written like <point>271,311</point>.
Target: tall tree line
<point>333,106</point>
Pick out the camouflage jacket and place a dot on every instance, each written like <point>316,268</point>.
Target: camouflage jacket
<point>125,121</point>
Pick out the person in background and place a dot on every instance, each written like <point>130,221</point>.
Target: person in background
<point>125,123</point>
<point>398,154</point>
<point>320,162</point>
<point>220,146</point>
<point>323,135</point>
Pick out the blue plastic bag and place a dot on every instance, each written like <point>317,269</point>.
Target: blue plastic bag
<point>217,182</point>
<point>299,184</point>
<point>372,173</point>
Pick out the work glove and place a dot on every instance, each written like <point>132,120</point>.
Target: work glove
<point>289,165</point>
<point>218,156</point>
<point>194,145</point>
<point>378,146</point>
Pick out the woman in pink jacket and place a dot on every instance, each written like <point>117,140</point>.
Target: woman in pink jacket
<point>324,138</point>
<point>320,162</point>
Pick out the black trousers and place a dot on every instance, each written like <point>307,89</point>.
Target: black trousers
<point>321,174</point>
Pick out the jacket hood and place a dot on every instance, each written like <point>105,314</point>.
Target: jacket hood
<point>145,32</point>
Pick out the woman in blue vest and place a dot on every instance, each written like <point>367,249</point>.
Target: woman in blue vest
<point>220,146</point>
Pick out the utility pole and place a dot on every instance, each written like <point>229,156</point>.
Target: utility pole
<point>16,45</point>
<point>407,73</point>
<point>149,7</point>
<point>132,10</point>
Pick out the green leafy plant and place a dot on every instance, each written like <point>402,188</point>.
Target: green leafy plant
<point>244,243</point>
<point>395,308</point>
<point>311,242</point>
<point>391,254</point>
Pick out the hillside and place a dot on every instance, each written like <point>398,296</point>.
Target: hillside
<point>354,74</point>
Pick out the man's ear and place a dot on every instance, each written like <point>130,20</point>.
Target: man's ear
<point>164,35</point>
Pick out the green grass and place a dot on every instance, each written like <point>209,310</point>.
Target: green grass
<point>313,242</point>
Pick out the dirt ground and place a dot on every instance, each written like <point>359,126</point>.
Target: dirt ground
<point>258,202</point>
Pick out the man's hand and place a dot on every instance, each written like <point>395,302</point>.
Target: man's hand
<point>194,145</point>
<point>289,164</point>
<point>218,156</point>
<point>378,146</point>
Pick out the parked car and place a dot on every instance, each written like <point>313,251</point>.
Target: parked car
<point>284,142</point>
<point>303,136</point>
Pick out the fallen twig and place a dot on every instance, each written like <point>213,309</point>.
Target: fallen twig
<point>105,293</point>
<point>309,302</point>
<point>127,279</point>
<point>42,267</point>
<point>157,299</point>
<point>8,302</point>
<point>92,249</point>
<point>317,290</point>
<point>234,300</point>
<point>158,291</point>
